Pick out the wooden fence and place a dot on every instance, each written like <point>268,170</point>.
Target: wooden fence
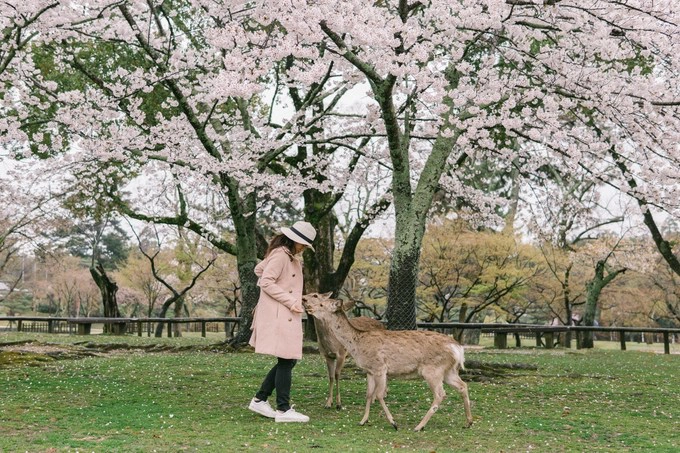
<point>547,333</point>
<point>83,326</point>
<point>544,334</point>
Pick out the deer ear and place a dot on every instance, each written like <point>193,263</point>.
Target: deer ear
<point>327,295</point>
<point>337,306</point>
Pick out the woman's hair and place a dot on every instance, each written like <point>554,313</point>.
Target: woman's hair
<point>281,240</point>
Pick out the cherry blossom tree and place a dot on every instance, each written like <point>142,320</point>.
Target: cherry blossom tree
<point>187,92</point>
<point>27,211</point>
<point>176,95</point>
<point>452,81</point>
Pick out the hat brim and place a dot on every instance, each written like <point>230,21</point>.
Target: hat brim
<point>295,237</point>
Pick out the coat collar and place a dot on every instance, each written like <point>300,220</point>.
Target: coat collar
<point>295,257</point>
<point>287,252</point>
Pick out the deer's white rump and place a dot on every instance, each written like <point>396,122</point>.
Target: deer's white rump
<point>382,353</point>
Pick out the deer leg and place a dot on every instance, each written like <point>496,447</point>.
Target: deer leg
<point>434,380</point>
<point>332,367</point>
<point>381,391</point>
<point>370,397</point>
<point>339,363</point>
<point>455,381</point>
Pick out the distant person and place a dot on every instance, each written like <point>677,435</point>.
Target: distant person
<point>277,320</point>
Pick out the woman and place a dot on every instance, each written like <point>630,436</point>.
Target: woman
<point>277,321</point>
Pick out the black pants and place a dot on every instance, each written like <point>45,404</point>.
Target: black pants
<point>279,378</point>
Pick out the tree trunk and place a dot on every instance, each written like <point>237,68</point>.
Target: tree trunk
<point>593,290</point>
<point>411,210</point>
<point>401,293</point>
<point>509,227</point>
<point>459,334</point>
<point>565,339</point>
<point>177,327</point>
<point>108,289</point>
<point>250,294</point>
<point>164,310</point>
<point>411,204</point>
<point>319,266</point>
<point>246,260</point>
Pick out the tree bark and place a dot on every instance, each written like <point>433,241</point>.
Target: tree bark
<point>179,306</point>
<point>593,290</point>
<point>401,293</point>
<point>411,211</point>
<point>164,311</point>
<point>108,289</point>
<point>568,306</point>
<point>509,227</point>
<point>250,294</point>
<point>246,260</point>
<point>318,266</point>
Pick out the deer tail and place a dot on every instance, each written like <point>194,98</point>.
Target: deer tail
<point>458,355</point>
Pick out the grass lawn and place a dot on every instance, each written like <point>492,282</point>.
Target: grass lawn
<point>128,401</point>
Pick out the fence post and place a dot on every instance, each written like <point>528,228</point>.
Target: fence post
<point>500,340</point>
<point>203,329</point>
<point>20,323</point>
<point>666,343</point>
<point>622,339</point>
<point>549,341</point>
<point>50,326</point>
<point>139,327</point>
<point>169,329</point>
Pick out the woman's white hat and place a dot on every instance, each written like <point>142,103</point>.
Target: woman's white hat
<point>301,232</point>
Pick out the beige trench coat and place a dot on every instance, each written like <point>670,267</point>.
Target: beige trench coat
<point>276,330</point>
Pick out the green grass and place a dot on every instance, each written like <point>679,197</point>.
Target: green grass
<point>196,401</point>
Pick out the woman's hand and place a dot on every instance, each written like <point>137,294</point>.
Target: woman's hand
<point>297,309</point>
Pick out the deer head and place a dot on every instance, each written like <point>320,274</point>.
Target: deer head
<point>319,304</point>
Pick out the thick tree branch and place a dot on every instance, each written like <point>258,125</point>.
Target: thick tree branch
<point>349,249</point>
<point>664,247</point>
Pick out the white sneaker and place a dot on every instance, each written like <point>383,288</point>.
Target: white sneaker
<point>262,408</point>
<point>291,416</point>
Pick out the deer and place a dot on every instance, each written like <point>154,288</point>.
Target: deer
<point>436,357</point>
<point>334,353</point>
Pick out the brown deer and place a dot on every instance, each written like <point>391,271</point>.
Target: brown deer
<point>434,356</point>
<point>335,353</point>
